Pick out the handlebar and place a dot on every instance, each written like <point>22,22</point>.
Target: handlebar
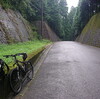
<point>7,56</point>
<point>24,55</point>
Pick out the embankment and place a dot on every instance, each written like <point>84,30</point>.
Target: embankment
<point>13,27</point>
<point>91,33</point>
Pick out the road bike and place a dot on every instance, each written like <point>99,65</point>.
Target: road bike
<point>24,70</point>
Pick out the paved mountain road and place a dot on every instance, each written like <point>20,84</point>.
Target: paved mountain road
<point>70,71</point>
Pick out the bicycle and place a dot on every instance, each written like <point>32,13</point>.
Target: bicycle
<point>18,75</point>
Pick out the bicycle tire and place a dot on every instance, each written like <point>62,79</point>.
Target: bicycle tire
<point>30,70</point>
<point>15,81</point>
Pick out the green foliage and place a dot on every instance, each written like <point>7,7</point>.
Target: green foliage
<point>71,18</point>
<point>5,3</point>
<point>54,19</point>
<point>26,47</point>
<point>85,9</point>
<point>56,16</point>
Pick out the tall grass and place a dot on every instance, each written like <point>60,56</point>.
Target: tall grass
<point>26,47</point>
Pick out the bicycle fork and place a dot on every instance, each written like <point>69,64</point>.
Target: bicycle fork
<point>18,75</point>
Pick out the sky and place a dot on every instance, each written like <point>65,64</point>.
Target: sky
<point>72,3</point>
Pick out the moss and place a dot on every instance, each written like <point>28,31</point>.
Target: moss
<point>88,35</point>
<point>93,24</point>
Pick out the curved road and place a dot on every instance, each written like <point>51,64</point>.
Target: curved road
<point>70,71</point>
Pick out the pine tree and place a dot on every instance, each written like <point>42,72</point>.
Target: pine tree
<point>54,18</point>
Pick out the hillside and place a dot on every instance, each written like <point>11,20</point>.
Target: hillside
<point>47,31</point>
<point>91,33</point>
<point>13,27</point>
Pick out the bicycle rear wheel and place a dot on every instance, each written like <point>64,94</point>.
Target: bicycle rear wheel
<point>15,81</point>
<point>30,70</point>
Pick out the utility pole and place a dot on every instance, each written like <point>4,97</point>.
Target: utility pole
<point>41,18</point>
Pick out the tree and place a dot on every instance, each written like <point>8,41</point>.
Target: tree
<point>54,17</point>
<point>63,13</point>
<point>71,18</point>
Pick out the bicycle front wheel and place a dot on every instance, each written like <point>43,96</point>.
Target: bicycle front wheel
<point>15,81</point>
<point>30,70</point>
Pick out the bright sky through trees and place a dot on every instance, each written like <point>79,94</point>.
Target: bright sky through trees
<point>72,3</point>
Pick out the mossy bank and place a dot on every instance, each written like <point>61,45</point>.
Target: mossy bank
<point>91,32</point>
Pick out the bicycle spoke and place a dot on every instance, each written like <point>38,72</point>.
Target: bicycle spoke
<point>15,81</point>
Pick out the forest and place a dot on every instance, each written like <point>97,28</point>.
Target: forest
<point>67,25</point>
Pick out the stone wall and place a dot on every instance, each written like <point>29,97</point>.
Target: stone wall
<point>13,27</point>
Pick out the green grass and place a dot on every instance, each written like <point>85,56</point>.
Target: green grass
<point>27,47</point>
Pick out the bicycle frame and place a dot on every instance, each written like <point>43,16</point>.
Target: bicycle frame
<point>17,62</point>
<point>21,68</point>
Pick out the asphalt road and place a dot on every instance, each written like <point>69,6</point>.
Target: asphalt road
<point>70,71</point>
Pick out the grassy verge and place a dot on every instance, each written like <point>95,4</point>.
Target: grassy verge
<point>27,47</point>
